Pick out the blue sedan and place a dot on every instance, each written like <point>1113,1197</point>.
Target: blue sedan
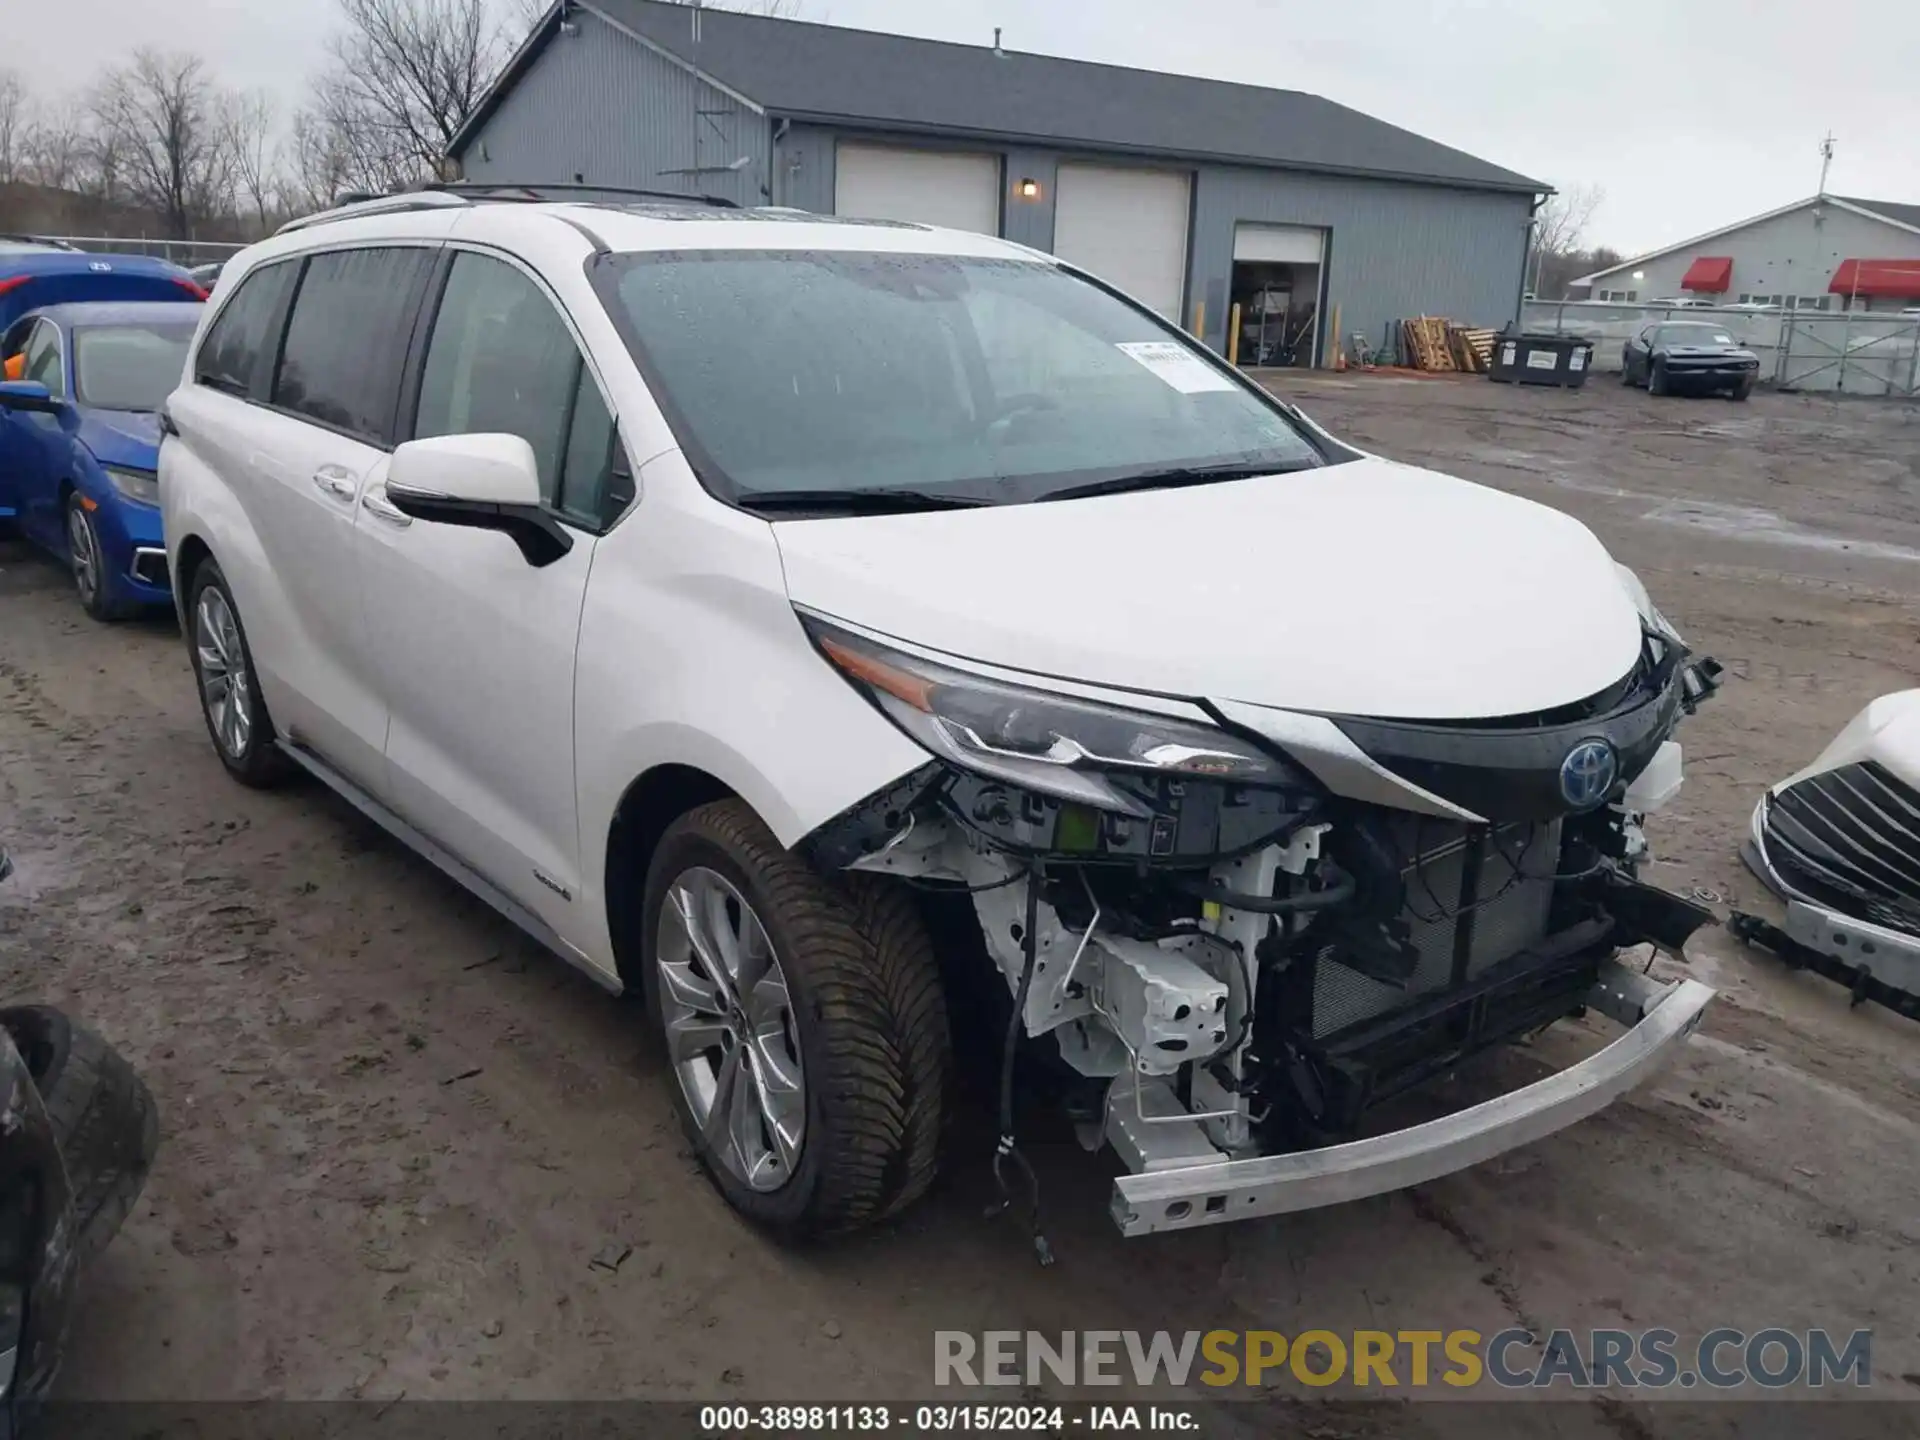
<point>80,441</point>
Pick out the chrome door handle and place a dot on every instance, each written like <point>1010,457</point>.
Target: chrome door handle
<point>376,504</point>
<point>335,480</point>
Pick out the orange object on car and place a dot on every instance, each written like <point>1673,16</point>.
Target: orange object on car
<point>15,366</point>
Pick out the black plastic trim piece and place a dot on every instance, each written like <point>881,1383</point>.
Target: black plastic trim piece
<point>542,539</point>
<point>1505,773</point>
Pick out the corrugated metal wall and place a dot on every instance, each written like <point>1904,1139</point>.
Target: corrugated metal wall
<point>1393,250</point>
<point>600,107</point>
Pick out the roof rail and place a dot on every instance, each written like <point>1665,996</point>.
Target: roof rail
<point>378,205</point>
<point>436,194</point>
<point>547,191</point>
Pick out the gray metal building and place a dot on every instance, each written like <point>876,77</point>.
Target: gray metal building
<point>1190,194</point>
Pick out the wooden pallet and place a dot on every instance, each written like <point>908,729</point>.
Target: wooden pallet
<point>1472,349</point>
<point>1427,345</point>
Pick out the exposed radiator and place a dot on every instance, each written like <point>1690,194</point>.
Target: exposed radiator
<point>1511,902</point>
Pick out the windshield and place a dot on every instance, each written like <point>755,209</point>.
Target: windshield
<point>1694,335</point>
<point>129,367</point>
<point>989,380</point>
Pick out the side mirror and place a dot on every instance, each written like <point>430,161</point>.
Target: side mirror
<point>29,395</point>
<point>483,482</point>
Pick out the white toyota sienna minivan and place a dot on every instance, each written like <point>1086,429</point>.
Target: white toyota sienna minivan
<point>795,620</point>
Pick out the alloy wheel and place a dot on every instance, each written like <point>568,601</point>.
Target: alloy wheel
<point>224,689</point>
<point>84,553</point>
<point>730,1028</point>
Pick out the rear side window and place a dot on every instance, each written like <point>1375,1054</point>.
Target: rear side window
<point>230,356</point>
<point>347,338</point>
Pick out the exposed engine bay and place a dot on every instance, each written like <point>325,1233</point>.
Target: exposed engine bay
<point>1237,959</point>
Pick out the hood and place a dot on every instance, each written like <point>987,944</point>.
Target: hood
<point>1368,588</point>
<point>122,437</point>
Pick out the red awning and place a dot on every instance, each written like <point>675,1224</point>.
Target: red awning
<point>1709,272</point>
<point>1900,278</point>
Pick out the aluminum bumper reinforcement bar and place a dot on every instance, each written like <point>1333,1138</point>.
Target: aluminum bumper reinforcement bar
<point>1661,1016</point>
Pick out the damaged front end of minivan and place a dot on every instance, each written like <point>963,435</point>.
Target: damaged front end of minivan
<point>1245,928</point>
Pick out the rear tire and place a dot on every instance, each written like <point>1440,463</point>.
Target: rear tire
<point>861,1025</point>
<point>230,699</point>
<point>102,1114</point>
<point>1657,383</point>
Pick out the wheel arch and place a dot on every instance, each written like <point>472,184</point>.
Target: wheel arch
<point>191,553</point>
<point>651,803</point>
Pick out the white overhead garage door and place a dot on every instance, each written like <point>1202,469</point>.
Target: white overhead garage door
<point>1127,226</point>
<point>1282,244</point>
<point>932,187</point>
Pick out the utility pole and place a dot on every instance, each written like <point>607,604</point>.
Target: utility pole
<point>1826,159</point>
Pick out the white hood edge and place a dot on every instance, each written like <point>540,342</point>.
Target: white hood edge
<point>1367,588</point>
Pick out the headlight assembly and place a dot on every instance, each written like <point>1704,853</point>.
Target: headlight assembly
<point>1054,744</point>
<point>140,486</point>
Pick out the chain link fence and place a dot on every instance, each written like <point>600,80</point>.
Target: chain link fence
<point>1853,353</point>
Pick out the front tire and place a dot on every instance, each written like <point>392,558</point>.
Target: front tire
<point>88,562</point>
<point>230,698</point>
<point>804,1024</point>
<point>1742,389</point>
<point>1657,382</point>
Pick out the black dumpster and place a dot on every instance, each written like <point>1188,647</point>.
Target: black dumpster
<point>1538,359</point>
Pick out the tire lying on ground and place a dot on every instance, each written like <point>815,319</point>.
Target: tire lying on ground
<point>102,1114</point>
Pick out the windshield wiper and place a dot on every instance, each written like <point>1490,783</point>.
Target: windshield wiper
<point>1172,479</point>
<point>883,501</point>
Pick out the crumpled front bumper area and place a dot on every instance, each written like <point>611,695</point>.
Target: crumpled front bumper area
<point>1661,1016</point>
<point>1836,849</point>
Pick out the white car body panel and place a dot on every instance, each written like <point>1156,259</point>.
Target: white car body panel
<point>1887,730</point>
<point>691,654</point>
<point>473,652</point>
<point>1337,598</point>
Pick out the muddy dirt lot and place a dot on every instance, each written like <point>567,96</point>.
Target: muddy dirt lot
<point>397,1135</point>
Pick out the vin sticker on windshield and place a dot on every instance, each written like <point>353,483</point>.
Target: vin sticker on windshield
<point>1180,368</point>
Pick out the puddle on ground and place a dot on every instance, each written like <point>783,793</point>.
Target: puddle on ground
<point>1740,522</point>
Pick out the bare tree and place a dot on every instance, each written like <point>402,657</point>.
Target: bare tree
<point>246,132</point>
<point>15,119</point>
<point>55,151</point>
<point>162,116</point>
<point>405,74</point>
<point>1562,223</point>
<point>1559,238</point>
<point>314,165</point>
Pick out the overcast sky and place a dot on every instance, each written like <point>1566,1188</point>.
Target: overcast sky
<point>1689,113</point>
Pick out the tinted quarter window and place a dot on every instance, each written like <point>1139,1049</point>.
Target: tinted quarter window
<point>230,356</point>
<point>43,360</point>
<point>347,338</point>
<point>501,360</point>
<point>589,491</point>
